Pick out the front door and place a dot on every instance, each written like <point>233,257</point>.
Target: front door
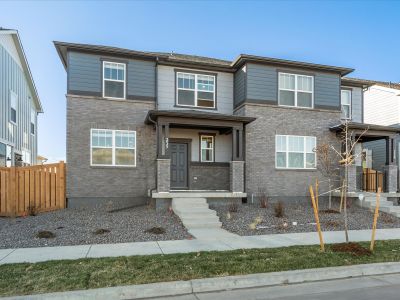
<point>179,165</point>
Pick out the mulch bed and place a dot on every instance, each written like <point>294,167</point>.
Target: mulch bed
<point>352,248</point>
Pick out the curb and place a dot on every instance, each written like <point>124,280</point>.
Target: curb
<point>176,288</point>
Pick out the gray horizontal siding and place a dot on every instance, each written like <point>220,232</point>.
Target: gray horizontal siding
<point>167,93</point>
<point>262,83</point>
<point>85,76</point>
<point>12,78</point>
<point>239,86</point>
<point>327,90</point>
<point>262,86</point>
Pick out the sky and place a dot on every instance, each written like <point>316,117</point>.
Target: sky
<point>363,35</point>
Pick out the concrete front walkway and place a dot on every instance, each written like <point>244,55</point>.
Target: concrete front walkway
<point>222,241</point>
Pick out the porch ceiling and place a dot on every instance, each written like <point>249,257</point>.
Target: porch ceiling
<point>373,131</point>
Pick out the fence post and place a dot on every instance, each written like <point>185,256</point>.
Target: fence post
<point>62,184</point>
<point>11,207</point>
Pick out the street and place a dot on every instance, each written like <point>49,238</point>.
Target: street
<point>386,287</point>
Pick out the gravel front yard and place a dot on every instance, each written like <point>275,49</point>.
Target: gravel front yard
<point>239,222</point>
<point>75,227</point>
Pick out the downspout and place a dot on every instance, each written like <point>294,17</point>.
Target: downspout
<point>154,122</point>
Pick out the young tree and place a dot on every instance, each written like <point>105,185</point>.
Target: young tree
<point>347,157</point>
<point>328,165</point>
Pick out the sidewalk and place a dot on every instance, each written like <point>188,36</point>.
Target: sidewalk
<point>222,243</point>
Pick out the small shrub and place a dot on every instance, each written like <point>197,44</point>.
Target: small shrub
<point>45,235</point>
<point>32,211</point>
<point>279,210</point>
<point>329,211</point>
<point>101,231</point>
<point>263,198</point>
<point>233,207</point>
<point>332,223</point>
<point>156,230</point>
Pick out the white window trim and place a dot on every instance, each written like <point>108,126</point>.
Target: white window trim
<point>116,80</point>
<point>212,148</point>
<point>195,90</point>
<point>287,152</point>
<point>16,108</point>
<point>113,147</point>
<point>349,105</point>
<point>296,90</point>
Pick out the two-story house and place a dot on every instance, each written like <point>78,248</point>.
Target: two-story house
<point>155,125</point>
<point>19,104</point>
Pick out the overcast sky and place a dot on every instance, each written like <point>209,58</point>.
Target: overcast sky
<point>363,35</point>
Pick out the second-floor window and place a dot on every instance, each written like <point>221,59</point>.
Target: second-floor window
<point>195,90</point>
<point>13,107</point>
<point>114,85</point>
<point>346,104</point>
<point>296,90</point>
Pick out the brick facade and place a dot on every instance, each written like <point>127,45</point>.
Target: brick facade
<point>260,171</point>
<point>108,183</point>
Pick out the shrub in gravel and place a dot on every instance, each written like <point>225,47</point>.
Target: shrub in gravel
<point>101,231</point>
<point>45,235</point>
<point>279,209</point>
<point>32,211</point>
<point>156,230</point>
<point>233,207</point>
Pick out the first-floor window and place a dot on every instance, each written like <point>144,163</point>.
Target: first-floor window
<point>295,152</point>
<point>207,148</point>
<point>113,147</point>
<point>26,157</point>
<point>3,155</point>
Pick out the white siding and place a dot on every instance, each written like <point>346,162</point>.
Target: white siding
<point>381,106</point>
<point>166,91</point>
<point>223,143</point>
<point>7,42</point>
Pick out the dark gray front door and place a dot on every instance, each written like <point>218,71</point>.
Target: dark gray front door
<point>179,165</point>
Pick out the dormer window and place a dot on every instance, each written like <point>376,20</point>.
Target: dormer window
<point>195,90</point>
<point>114,80</point>
<point>296,90</point>
<point>346,104</point>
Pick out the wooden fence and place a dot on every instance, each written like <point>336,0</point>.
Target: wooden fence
<point>372,180</point>
<point>25,190</point>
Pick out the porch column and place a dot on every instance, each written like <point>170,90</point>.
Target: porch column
<point>163,159</point>
<point>237,164</point>
<point>163,140</point>
<point>352,179</point>
<point>390,167</point>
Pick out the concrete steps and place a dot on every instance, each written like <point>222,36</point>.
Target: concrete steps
<point>195,213</point>
<point>384,205</point>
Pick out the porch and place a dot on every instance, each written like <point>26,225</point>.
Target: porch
<point>199,152</point>
<point>375,163</point>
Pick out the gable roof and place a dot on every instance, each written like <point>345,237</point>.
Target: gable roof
<point>191,60</point>
<point>25,66</point>
<point>368,83</point>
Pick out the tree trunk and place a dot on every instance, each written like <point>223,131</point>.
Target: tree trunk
<point>330,194</point>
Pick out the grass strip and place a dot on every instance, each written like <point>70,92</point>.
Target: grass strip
<point>66,275</point>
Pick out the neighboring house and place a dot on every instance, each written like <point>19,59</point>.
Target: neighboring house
<point>147,125</point>
<point>381,106</point>
<point>19,103</point>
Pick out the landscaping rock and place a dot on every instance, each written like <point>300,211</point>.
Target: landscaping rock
<point>246,220</point>
<point>74,227</point>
